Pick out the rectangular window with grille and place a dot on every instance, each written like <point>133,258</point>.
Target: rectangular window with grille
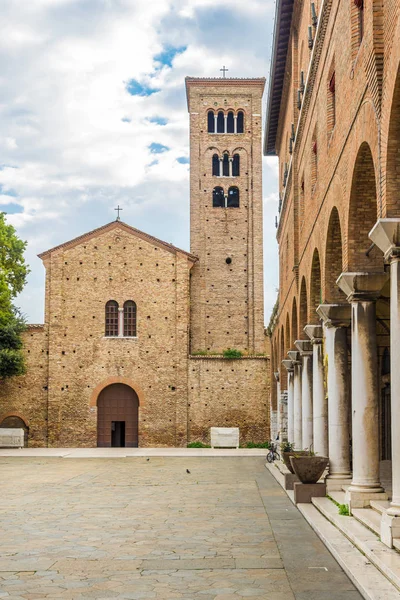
<point>111,319</point>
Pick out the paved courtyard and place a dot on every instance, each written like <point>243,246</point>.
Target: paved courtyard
<point>139,529</point>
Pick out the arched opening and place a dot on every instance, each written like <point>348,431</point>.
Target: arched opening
<point>225,165</point>
<point>333,260</point>
<point>215,165</point>
<point>210,121</point>
<point>118,417</point>
<point>14,422</point>
<point>363,215</point>
<point>393,156</point>
<point>295,332</point>
<point>218,197</point>
<point>236,165</point>
<point>315,289</point>
<point>240,122</point>
<point>233,197</point>
<point>111,326</point>
<point>129,319</point>
<point>220,122</point>
<point>303,308</point>
<point>230,123</point>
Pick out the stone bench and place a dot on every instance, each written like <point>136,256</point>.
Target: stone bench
<point>11,438</point>
<point>224,437</point>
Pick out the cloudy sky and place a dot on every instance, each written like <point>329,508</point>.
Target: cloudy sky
<point>93,114</point>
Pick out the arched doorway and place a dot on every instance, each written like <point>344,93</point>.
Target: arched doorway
<point>14,422</point>
<point>117,417</point>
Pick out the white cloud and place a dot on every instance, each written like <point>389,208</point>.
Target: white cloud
<point>74,143</point>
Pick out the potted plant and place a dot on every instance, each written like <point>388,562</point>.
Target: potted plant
<point>287,450</point>
<point>308,466</point>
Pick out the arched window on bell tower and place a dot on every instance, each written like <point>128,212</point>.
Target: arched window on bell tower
<point>220,122</point>
<point>225,165</point>
<point>210,122</point>
<point>230,123</point>
<point>218,197</point>
<point>215,165</point>
<point>240,122</point>
<point>236,165</point>
<point>233,197</point>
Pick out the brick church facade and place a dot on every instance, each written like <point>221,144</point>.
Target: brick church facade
<point>130,353</point>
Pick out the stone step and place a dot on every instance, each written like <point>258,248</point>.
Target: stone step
<point>369,580</point>
<point>367,542</point>
<point>380,505</point>
<point>396,544</point>
<point>370,518</point>
<point>338,496</point>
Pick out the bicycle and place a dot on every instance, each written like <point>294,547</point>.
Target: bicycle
<point>273,454</point>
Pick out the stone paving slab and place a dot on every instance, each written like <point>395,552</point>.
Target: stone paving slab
<point>137,529</point>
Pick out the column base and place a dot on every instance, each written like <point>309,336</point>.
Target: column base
<point>390,529</point>
<point>335,483</point>
<point>357,497</point>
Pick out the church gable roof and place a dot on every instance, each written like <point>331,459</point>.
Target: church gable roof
<point>124,227</point>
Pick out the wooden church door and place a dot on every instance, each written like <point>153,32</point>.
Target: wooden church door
<point>118,417</point>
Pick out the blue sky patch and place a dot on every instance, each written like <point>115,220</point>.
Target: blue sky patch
<point>11,208</point>
<point>156,148</point>
<point>4,192</point>
<point>135,88</point>
<point>158,120</point>
<point>183,160</point>
<point>167,56</point>
<point>125,120</point>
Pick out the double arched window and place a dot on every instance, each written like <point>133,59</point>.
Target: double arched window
<point>120,322</point>
<point>225,121</point>
<point>229,200</point>
<point>226,166</point>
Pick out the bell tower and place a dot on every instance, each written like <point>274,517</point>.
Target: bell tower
<point>226,214</point>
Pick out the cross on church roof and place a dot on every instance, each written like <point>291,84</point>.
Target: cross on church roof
<point>224,69</point>
<point>118,209</point>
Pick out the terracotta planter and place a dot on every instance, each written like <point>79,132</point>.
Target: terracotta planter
<point>286,458</point>
<point>309,468</point>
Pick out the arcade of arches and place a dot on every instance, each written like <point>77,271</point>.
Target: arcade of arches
<point>335,334</point>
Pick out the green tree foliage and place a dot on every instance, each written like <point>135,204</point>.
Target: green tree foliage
<point>13,273</point>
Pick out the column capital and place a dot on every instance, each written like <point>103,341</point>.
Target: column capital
<point>386,235</point>
<point>276,375</point>
<point>304,347</point>
<point>288,364</point>
<point>362,286</point>
<point>314,332</point>
<point>294,356</point>
<point>335,315</point>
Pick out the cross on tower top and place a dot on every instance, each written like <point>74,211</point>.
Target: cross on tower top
<point>118,209</point>
<point>224,69</point>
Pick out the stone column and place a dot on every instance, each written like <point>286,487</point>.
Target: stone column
<point>120,322</point>
<point>297,413</point>
<point>231,167</point>
<point>288,364</point>
<point>221,167</point>
<point>336,319</point>
<point>290,421</point>
<point>234,123</point>
<point>225,123</point>
<point>320,401</point>
<point>386,235</point>
<point>362,290</point>
<point>215,123</point>
<point>305,349</point>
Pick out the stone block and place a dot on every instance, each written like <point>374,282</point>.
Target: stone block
<point>303,492</point>
<point>357,499</point>
<point>11,438</point>
<point>289,480</point>
<point>224,437</point>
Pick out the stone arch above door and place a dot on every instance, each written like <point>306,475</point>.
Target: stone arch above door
<point>110,380</point>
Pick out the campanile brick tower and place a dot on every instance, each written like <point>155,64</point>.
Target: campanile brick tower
<point>226,214</point>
